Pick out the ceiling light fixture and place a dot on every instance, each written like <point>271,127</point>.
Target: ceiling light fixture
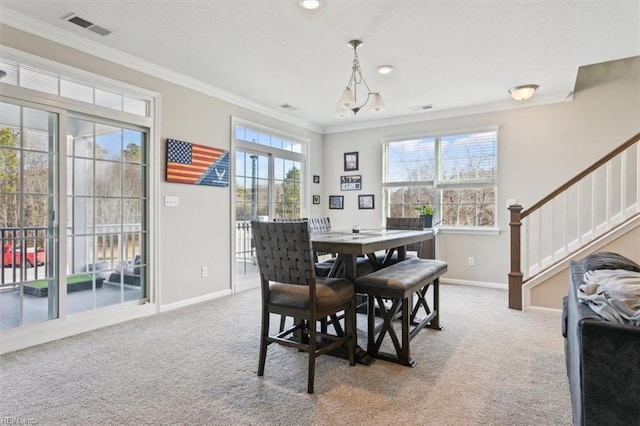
<point>385,69</point>
<point>348,104</point>
<point>522,93</point>
<point>309,4</point>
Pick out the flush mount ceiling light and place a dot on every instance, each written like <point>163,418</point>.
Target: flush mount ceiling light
<point>348,103</point>
<point>309,4</point>
<point>522,93</point>
<point>385,69</point>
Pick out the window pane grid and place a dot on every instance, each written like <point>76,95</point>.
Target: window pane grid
<point>34,78</point>
<point>260,138</point>
<point>455,173</point>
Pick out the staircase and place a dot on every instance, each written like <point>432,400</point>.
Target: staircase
<point>581,216</point>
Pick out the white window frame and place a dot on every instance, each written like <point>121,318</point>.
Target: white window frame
<point>70,324</point>
<point>438,185</point>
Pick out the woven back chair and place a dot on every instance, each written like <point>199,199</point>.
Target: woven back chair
<point>290,288</point>
<point>319,225</point>
<point>412,223</point>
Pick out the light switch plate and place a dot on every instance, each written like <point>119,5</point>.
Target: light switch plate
<point>170,201</point>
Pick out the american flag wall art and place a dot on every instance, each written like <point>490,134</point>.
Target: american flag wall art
<point>196,164</point>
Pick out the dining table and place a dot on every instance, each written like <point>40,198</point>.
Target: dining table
<point>348,246</point>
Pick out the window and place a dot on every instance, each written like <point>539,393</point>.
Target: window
<point>269,183</point>
<point>102,228</point>
<point>456,173</point>
<point>35,78</point>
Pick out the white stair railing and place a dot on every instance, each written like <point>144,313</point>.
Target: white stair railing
<point>584,209</point>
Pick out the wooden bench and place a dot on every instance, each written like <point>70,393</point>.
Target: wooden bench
<point>394,289</point>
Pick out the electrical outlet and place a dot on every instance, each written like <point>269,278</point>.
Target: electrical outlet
<point>471,261</point>
<point>204,272</point>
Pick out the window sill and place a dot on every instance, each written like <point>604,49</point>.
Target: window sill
<point>468,230</point>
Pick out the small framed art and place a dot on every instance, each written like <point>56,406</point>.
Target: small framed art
<point>351,183</point>
<point>365,201</point>
<point>350,161</point>
<point>316,199</point>
<point>336,202</point>
<point>316,179</point>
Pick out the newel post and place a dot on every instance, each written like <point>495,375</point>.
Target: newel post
<point>515,274</point>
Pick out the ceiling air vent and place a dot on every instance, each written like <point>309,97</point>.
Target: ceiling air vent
<point>74,19</point>
<point>289,107</point>
<point>421,107</point>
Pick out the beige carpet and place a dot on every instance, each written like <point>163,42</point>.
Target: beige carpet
<point>197,365</point>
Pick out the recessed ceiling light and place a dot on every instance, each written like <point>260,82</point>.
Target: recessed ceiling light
<point>385,69</point>
<point>309,4</point>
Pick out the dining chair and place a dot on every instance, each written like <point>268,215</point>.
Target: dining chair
<point>316,225</point>
<point>411,223</point>
<point>290,288</point>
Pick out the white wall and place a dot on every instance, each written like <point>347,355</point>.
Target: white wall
<point>539,148</point>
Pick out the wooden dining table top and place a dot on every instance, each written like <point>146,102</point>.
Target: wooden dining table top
<point>368,240</point>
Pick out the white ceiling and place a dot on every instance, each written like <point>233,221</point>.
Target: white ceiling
<point>459,56</point>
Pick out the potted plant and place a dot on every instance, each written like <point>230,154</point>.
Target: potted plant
<point>426,212</point>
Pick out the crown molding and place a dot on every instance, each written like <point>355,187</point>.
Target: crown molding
<point>508,104</point>
<point>24,23</point>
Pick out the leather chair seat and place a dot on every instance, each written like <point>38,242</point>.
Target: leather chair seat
<point>330,292</point>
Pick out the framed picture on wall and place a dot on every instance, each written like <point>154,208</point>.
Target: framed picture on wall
<point>351,183</point>
<point>316,199</point>
<point>350,161</point>
<point>365,201</point>
<point>316,179</point>
<point>336,202</point>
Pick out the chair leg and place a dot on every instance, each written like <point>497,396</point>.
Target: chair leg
<point>350,325</point>
<point>263,341</point>
<point>312,356</point>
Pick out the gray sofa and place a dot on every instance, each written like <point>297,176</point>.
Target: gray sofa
<point>603,357</point>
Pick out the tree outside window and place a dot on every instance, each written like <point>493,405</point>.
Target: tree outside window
<point>455,173</point>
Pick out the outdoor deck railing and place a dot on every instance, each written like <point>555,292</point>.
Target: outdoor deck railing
<point>111,240</point>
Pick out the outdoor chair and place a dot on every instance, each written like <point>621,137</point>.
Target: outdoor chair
<point>290,288</point>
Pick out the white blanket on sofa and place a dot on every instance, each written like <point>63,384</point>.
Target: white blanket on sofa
<point>614,294</point>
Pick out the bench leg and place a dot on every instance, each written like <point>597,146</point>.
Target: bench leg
<point>434,317</point>
<point>402,355</point>
<point>435,322</point>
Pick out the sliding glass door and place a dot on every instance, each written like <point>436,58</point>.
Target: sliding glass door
<point>106,198</point>
<point>268,184</point>
<point>28,234</point>
<point>105,229</point>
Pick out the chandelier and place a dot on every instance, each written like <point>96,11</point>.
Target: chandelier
<point>348,104</point>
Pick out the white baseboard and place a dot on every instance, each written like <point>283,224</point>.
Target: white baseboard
<point>553,311</point>
<point>474,283</point>
<point>48,331</point>
<point>183,303</point>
